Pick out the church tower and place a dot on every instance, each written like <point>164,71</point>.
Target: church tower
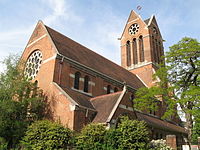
<point>141,47</point>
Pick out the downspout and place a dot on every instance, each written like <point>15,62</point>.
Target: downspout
<point>60,70</point>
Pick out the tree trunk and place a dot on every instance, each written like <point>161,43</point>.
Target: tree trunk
<point>189,125</point>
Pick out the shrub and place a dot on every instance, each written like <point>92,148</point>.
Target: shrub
<point>47,135</point>
<point>133,134</point>
<point>111,139</point>
<point>91,137</point>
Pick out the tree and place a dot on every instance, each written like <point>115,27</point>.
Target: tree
<point>180,81</point>
<point>21,102</point>
<point>47,135</point>
<point>184,68</point>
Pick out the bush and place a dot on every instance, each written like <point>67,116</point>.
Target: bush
<point>133,134</point>
<point>111,139</point>
<point>159,145</point>
<point>130,134</point>
<point>91,137</point>
<point>47,135</point>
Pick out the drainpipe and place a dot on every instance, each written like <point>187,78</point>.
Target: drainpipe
<point>60,70</point>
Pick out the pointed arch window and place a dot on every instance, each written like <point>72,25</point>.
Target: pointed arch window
<point>115,89</point>
<point>135,60</point>
<point>108,89</point>
<point>160,50</point>
<point>141,49</point>
<point>76,80</point>
<point>128,53</point>
<point>157,51</point>
<point>86,84</point>
<point>155,55</point>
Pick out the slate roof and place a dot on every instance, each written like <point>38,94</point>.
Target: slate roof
<point>89,58</point>
<point>160,124</point>
<point>104,105</point>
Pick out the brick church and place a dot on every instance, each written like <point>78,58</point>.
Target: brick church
<point>83,87</point>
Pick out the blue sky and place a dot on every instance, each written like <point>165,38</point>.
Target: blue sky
<point>94,23</point>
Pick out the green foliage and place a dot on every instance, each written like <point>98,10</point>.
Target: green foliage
<point>12,124</point>
<point>179,83</point>
<point>47,135</point>
<point>141,103</point>
<point>91,137</point>
<point>133,135</point>
<point>21,102</point>
<point>129,134</point>
<point>111,139</point>
<point>196,131</point>
<point>3,144</point>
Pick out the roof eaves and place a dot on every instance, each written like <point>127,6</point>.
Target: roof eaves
<point>70,98</point>
<point>116,105</point>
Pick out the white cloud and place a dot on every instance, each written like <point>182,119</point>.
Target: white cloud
<point>61,10</point>
<point>58,7</point>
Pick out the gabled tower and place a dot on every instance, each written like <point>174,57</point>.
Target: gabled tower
<point>141,47</point>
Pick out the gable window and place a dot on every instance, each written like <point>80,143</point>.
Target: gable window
<point>141,49</point>
<point>108,89</point>
<point>86,84</point>
<point>76,80</point>
<point>128,53</point>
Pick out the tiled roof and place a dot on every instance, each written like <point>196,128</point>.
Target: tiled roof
<point>81,99</point>
<point>104,105</point>
<point>89,58</point>
<point>147,21</point>
<point>160,124</point>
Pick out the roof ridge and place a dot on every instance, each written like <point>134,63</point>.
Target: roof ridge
<point>84,46</point>
<point>124,75</point>
<point>94,98</point>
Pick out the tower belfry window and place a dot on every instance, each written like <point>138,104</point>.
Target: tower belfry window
<point>155,55</point>
<point>128,53</point>
<point>160,50</point>
<point>141,49</point>
<point>157,51</point>
<point>135,59</point>
<point>76,80</point>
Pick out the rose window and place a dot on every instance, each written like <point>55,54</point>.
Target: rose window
<point>33,64</point>
<point>133,28</point>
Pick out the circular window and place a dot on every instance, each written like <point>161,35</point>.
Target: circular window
<point>133,28</point>
<point>33,64</point>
